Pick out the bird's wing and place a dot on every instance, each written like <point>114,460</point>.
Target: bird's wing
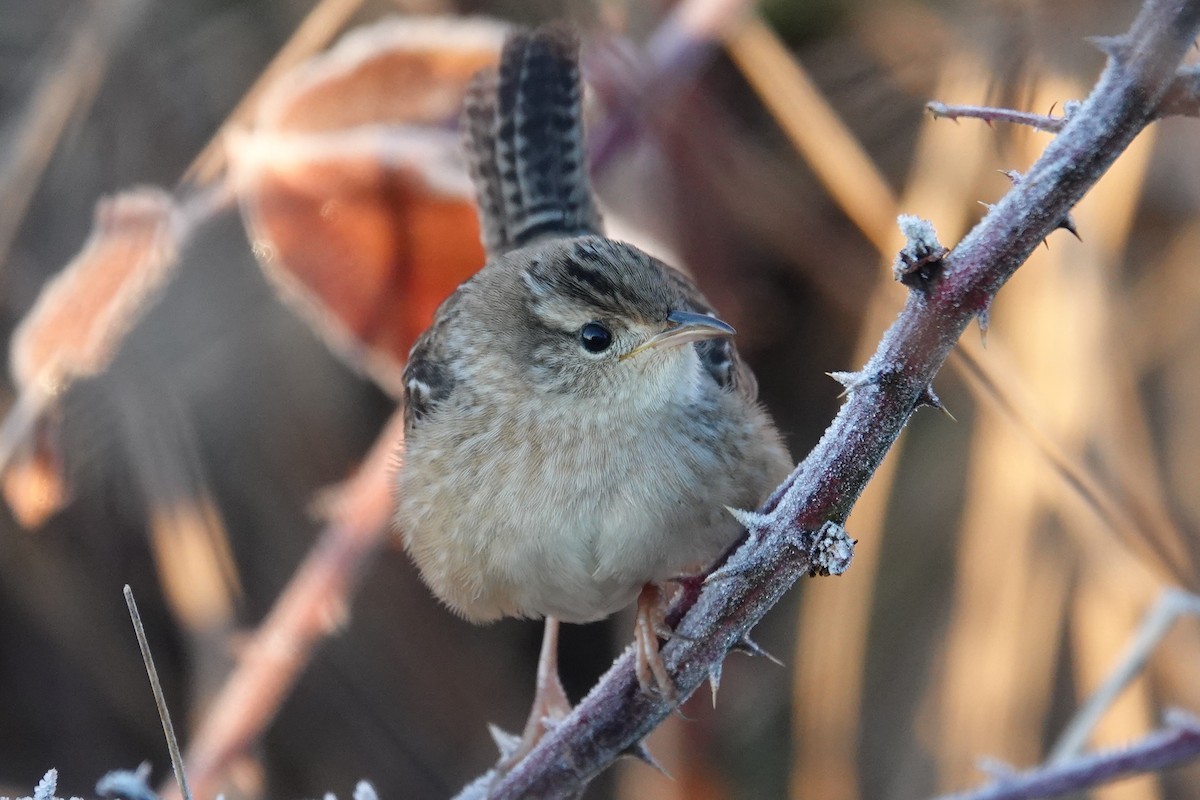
<point>523,130</point>
<point>428,377</point>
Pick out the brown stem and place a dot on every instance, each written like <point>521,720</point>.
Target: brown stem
<point>313,603</point>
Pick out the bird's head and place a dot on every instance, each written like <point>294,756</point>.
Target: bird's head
<point>608,321</point>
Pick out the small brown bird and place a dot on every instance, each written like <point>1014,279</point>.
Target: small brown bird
<point>577,419</point>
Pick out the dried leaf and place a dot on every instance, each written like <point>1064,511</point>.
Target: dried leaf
<point>354,191</point>
<point>82,314</point>
<point>73,330</point>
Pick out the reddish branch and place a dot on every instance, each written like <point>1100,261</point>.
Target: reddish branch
<point>313,604</point>
<point>779,549</point>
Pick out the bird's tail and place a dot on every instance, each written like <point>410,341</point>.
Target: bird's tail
<point>523,131</point>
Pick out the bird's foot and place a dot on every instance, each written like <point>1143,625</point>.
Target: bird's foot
<point>550,704</point>
<point>649,626</point>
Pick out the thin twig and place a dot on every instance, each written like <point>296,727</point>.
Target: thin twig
<point>1172,604</point>
<point>1041,122</point>
<point>164,714</point>
<point>616,715</point>
<point>1177,743</point>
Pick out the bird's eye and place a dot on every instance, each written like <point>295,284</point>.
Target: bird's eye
<point>595,338</point>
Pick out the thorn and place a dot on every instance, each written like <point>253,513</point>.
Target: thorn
<point>752,521</point>
<point>1012,175</point>
<point>714,680</point>
<point>1068,225</point>
<point>642,753</point>
<point>507,743</point>
<point>1051,111</point>
<point>1046,244</point>
<point>849,381</point>
<point>928,397</point>
<point>726,571</point>
<point>938,110</point>
<point>984,319</point>
<point>750,647</point>
<point>1115,47</point>
<point>988,206</point>
<point>756,525</point>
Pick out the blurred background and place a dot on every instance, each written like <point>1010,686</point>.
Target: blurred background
<point>224,351</point>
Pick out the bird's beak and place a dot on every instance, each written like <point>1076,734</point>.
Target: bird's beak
<point>685,326</point>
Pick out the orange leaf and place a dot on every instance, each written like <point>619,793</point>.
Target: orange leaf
<point>82,314</point>
<point>353,189</point>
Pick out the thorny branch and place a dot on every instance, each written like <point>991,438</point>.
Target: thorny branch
<point>1041,122</point>
<point>779,546</point>
<point>1171,605</point>
<point>1177,742</point>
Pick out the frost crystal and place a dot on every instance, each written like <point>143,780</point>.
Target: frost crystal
<point>127,784</point>
<point>46,786</point>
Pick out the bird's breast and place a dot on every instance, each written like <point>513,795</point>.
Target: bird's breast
<point>552,509</point>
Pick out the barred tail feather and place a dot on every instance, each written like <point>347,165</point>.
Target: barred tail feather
<point>525,143</point>
<point>479,143</point>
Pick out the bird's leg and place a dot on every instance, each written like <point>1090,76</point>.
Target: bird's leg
<point>550,704</point>
<point>649,626</point>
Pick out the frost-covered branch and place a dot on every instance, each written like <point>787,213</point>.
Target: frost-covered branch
<point>1041,122</point>
<point>1173,604</point>
<point>1175,744</point>
<point>780,545</point>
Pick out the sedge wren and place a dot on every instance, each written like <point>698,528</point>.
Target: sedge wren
<point>577,419</point>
